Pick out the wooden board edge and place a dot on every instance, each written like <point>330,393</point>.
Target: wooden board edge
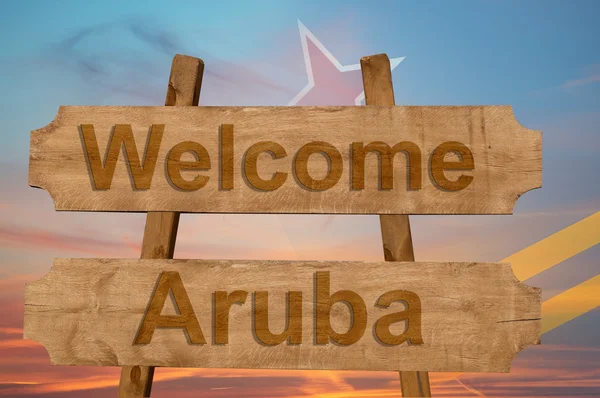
<point>532,139</point>
<point>534,144</point>
<point>34,137</point>
<point>29,334</point>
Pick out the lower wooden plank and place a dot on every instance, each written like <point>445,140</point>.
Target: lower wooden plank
<point>471,317</point>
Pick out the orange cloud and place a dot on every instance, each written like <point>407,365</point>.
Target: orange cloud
<point>39,238</point>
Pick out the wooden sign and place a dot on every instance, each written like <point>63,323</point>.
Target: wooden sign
<point>371,160</point>
<point>470,317</point>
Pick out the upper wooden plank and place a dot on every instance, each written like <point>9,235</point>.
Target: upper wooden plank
<point>472,317</point>
<point>284,171</point>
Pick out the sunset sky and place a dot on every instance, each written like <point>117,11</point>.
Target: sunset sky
<point>541,57</point>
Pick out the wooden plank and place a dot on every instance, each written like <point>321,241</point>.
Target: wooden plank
<point>395,229</point>
<point>160,232</point>
<point>500,159</point>
<point>474,317</point>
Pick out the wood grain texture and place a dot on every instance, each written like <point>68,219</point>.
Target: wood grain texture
<point>395,229</point>
<point>160,231</point>
<point>507,159</point>
<point>475,317</point>
<point>415,384</point>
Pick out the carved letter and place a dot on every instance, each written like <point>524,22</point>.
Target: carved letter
<point>438,165</point>
<point>293,324</point>
<point>324,303</point>
<point>175,165</point>
<point>386,158</point>
<point>223,303</point>
<point>227,156</point>
<point>170,281</point>
<point>412,315</point>
<point>334,158</point>
<point>122,135</point>
<point>250,170</point>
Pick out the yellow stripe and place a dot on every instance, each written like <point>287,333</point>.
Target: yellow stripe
<point>556,248</point>
<point>553,250</point>
<point>570,304</point>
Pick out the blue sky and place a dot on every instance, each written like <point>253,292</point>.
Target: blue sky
<point>471,52</point>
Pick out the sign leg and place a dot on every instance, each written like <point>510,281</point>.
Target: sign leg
<point>161,227</point>
<point>395,229</point>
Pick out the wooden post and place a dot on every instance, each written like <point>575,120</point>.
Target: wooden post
<point>395,229</point>
<point>161,227</point>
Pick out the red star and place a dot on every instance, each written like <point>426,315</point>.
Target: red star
<point>329,82</point>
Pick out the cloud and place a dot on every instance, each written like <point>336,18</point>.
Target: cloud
<point>41,238</point>
<point>128,56</point>
<point>205,236</point>
<point>591,76</point>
